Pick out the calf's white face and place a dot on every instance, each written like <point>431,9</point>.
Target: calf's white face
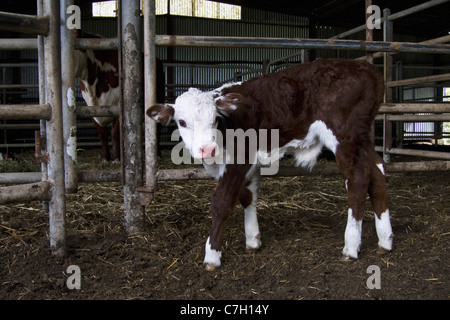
<point>195,114</point>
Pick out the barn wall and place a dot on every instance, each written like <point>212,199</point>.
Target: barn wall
<point>198,66</point>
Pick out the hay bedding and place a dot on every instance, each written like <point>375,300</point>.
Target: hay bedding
<point>302,222</point>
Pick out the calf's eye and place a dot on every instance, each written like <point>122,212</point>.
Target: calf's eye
<point>182,123</point>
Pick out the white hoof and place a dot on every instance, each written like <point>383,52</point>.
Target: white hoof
<point>349,254</point>
<point>384,231</point>
<point>253,243</point>
<point>352,236</point>
<point>346,258</point>
<point>212,257</point>
<point>210,267</point>
<point>386,244</point>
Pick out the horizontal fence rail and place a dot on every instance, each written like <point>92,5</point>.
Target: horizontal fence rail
<point>294,43</point>
<point>246,42</point>
<point>24,23</point>
<point>26,192</point>
<point>25,111</point>
<point>200,173</point>
<point>414,107</point>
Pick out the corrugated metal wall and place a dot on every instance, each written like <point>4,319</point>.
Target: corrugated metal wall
<point>198,66</point>
<point>254,23</point>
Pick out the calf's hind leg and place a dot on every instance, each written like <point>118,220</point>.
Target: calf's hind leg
<point>378,196</point>
<point>357,170</point>
<point>356,199</point>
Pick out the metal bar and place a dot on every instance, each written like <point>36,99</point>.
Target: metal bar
<point>99,176</point>
<point>18,86</point>
<point>201,174</point>
<point>25,111</point>
<point>369,33</point>
<point>388,35</point>
<point>183,174</point>
<point>83,176</point>
<point>242,42</point>
<point>96,43</point>
<point>97,111</point>
<point>26,192</point>
<point>414,107</point>
<point>414,118</point>
<point>421,80</point>
<point>319,169</point>
<point>68,101</point>
<point>80,44</point>
<point>297,43</point>
<point>416,9</point>
<point>420,153</point>
<point>18,44</point>
<point>151,141</point>
<point>443,39</point>
<point>393,17</point>
<point>24,23</point>
<point>18,64</point>
<point>434,165</point>
<point>20,177</point>
<point>57,204</point>
<point>132,115</point>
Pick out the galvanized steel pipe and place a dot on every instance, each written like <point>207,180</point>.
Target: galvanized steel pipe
<point>68,102</point>
<point>57,204</point>
<point>132,115</point>
<point>151,141</point>
<point>24,23</point>
<point>293,43</point>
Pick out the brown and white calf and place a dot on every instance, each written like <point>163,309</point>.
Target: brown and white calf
<point>326,103</point>
<point>99,84</point>
<point>98,71</point>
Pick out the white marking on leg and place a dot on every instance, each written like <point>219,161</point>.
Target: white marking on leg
<point>252,236</point>
<point>380,166</point>
<point>352,236</point>
<point>212,257</point>
<point>384,230</point>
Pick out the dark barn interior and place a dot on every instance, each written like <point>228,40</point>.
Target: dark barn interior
<point>136,227</point>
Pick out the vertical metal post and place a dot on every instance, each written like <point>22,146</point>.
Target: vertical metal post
<point>369,59</point>
<point>132,114</point>
<point>41,72</point>
<point>387,71</point>
<point>369,33</point>
<point>57,204</point>
<point>68,101</point>
<point>151,142</point>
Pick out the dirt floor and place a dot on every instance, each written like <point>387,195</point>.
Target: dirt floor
<point>302,222</point>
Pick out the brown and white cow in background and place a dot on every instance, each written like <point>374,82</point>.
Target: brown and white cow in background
<point>98,71</point>
<point>326,103</point>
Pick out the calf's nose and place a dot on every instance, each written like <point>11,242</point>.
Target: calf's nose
<point>208,151</point>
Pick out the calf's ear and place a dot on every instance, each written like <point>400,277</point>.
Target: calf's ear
<point>228,103</point>
<point>161,113</point>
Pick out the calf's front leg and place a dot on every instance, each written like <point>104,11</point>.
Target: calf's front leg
<point>249,198</point>
<point>222,204</point>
